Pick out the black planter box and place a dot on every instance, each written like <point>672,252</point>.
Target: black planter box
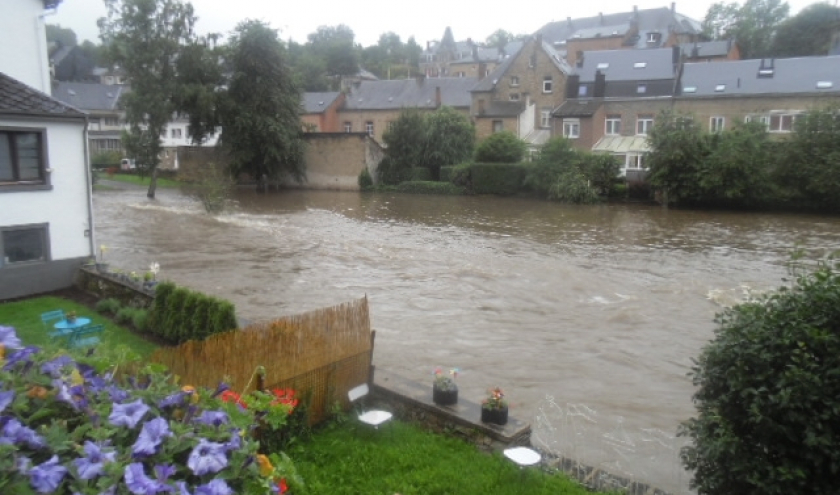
<point>495,416</point>
<point>444,397</point>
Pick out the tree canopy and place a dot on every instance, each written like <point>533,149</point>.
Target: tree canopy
<point>753,25</point>
<point>820,21</point>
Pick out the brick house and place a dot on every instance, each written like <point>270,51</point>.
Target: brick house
<point>107,120</point>
<point>320,111</point>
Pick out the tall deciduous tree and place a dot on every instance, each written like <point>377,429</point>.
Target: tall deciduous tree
<point>450,139</point>
<point>753,24</point>
<point>260,116</point>
<point>678,150</point>
<point>820,21</point>
<point>145,37</point>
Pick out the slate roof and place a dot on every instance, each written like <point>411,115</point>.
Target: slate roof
<point>707,49</point>
<point>578,108</point>
<point>628,65</point>
<point>89,96</point>
<point>489,82</point>
<point>403,93</point>
<point>17,98</point>
<point>741,77</point>
<point>318,102</point>
<point>658,20</point>
<point>498,108</point>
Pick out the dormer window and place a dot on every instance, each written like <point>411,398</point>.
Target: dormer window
<point>603,66</point>
<point>582,90</point>
<point>690,89</point>
<point>640,65</point>
<point>641,88</point>
<point>653,37</point>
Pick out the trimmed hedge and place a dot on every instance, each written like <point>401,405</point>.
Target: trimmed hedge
<point>446,173</point>
<point>421,174</point>
<point>497,178</point>
<point>430,187</point>
<point>179,314</point>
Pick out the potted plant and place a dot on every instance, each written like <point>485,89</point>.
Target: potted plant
<point>444,389</point>
<point>150,277</point>
<point>70,316</point>
<point>101,265</point>
<point>494,409</point>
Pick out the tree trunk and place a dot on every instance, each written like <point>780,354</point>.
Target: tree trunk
<point>152,184</point>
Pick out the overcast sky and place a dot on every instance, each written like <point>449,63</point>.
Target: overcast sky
<point>424,19</point>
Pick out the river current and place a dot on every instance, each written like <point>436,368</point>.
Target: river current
<point>587,316</point>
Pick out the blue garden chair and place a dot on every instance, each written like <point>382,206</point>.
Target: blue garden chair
<point>86,336</point>
<point>49,316</point>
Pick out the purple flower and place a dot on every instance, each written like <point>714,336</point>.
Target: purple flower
<point>93,464</point>
<point>22,355</point>
<point>64,393</point>
<point>221,388</point>
<point>54,366</point>
<point>207,457</point>
<point>213,418</point>
<point>22,465</point>
<point>214,487</point>
<point>46,477</point>
<point>182,488</point>
<point>176,399</point>
<point>140,484</point>
<point>6,398</point>
<point>15,433</point>
<point>9,338</point>
<point>117,394</point>
<point>235,442</point>
<point>152,434</point>
<point>128,414</point>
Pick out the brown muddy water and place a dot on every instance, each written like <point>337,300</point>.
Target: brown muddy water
<point>587,316</point>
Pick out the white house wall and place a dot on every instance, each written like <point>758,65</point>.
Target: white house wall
<point>65,207</point>
<point>23,50</point>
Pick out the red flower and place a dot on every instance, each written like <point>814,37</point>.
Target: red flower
<point>285,396</point>
<point>231,396</point>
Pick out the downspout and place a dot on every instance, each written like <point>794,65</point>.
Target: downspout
<point>89,188</point>
<point>41,34</point>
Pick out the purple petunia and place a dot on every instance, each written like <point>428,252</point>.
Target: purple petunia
<point>128,414</point>
<point>140,484</point>
<point>176,399</point>
<point>214,487</point>
<point>9,338</point>
<point>15,433</point>
<point>207,457</point>
<point>213,418</point>
<point>152,434</point>
<point>93,463</point>
<point>6,398</point>
<point>53,367</point>
<point>221,388</point>
<point>117,394</point>
<point>46,477</point>
<point>235,442</point>
<point>23,355</point>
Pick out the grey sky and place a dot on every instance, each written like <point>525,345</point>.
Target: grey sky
<point>425,20</point>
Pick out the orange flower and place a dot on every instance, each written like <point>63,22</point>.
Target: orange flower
<point>265,465</point>
<point>39,392</point>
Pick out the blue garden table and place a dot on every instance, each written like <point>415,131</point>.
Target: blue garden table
<point>66,328</point>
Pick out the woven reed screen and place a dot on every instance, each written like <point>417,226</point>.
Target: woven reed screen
<point>321,354</point>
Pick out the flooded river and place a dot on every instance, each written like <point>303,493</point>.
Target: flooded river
<point>587,316</point>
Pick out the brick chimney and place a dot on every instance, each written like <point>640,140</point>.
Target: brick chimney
<point>482,70</point>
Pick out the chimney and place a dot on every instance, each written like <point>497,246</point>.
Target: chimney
<point>673,7</point>
<point>579,58</point>
<point>572,86</point>
<point>481,106</point>
<point>569,22</point>
<point>601,17</point>
<point>437,97</point>
<point>482,70</point>
<point>600,89</point>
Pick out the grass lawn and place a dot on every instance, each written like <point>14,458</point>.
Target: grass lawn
<point>25,317</point>
<point>139,181</point>
<point>350,458</point>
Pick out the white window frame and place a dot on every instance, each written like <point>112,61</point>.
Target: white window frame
<point>634,161</point>
<point>644,124</point>
<point>176,133</point>
<point>348,126</point>
<point>514,97</point>
<point>548,85</point>
<point>498,126</point>
<point>571,128</point>
<point>545,118</point>
<point>514,81</point>
<point>717,123</point>
<point>612,125</point>
<point>369,128</point>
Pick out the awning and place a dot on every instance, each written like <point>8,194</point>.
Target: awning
<point>622,144</point>
<point>537,137</point>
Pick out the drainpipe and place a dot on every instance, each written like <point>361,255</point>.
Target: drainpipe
<point>89,188</point>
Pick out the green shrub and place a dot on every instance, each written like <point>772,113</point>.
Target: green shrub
<point>125,315</point>
<point>201,318</point>
<point>573,187</point>
<point>430,187</point>
<point>365,180</point>
<point>446,173</point>
<point>421,174</point>
<point>222,316</point>
<point>180,314</point>
<point>140,319</point>
<point>462,176</point>
<point>768,394</point>
<point>187,328</point>
<point>108,306</point>
<point>157,316</point>
<point>174,314</point>
<point>497,178</point>
<point>501,147</point>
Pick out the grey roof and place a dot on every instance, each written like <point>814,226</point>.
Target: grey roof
<point>403,93</point>
<point>741,77</point>
<point>484,55</point>
<point>60,54</point>
<point>89,96</point>
<point>707,49</point>
<point>602,31</point>
<point>578,108</point>
<point>628,65</point>
<point>489,82</point>
<point>318,102</point>
<point>496,108</point>
<point>17,98</point>
<point>649,20</point>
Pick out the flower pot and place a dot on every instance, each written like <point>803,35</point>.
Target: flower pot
<point>495,416</point>
<point>444,397</point>
<point>102,267</point>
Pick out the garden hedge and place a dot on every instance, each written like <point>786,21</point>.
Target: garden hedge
<point>179,314</point>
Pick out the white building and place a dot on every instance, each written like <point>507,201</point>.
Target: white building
<point>46,214</point>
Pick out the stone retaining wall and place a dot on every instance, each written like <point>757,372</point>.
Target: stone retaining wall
<point>108,285</point>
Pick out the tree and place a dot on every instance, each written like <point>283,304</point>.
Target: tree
<point>144,37</point>
<point>406,141</point>
<point>261,128</point>
<point>556,156</point>
<point>199,92</point>
<point>819,20</point>
<point>768,394</point>
<point>336,47</point>
<point>449,139</point>
<point>753,24</point>
<point>61,36</point>
<point>737,169</point>
<point>499,39</point>
<point>501,147</point>
<point>678,149</point>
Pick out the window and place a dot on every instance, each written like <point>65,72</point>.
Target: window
<point>547,84</point>
<point>716,124</point>
<point>348,127</point>
<point>634,162</point>
<point>514,81</point>
<point>369,128</point>
<point>22,157</point>
<point>112,121</point>
<point>514,97</point>
<point>640,65</point>
<point>461,74</point>
<point>644,123</point>
<point>571,128</point>
<point>176,133</point>
<point>21,244</point>
<point>641,88</point>
<point>782,122</point>
<point>545,118</point>
<point>612,125</point>
<point>390,125</point>
<point>498,126</point>
<point>582,90</point>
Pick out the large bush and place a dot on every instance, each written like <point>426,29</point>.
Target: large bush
<point>500,147</point>
<point>496,178</point>
<point>768,398</point>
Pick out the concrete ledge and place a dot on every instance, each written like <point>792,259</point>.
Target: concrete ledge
<point>412,401</point>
